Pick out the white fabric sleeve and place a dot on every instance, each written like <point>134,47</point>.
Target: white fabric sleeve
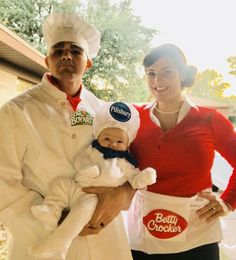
<point>139,179</point>
<point>16,199</point>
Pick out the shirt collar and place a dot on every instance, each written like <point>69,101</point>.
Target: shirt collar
<point>185,108</point>
<point>74,101</point>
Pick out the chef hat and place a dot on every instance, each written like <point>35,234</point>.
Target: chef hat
<point>70,27</point>
<point>118,115</point>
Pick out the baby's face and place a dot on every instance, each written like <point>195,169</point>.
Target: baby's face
<point>114,138</point>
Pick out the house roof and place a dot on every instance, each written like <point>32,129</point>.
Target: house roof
<point>207,102</point>
<point>18,52</point>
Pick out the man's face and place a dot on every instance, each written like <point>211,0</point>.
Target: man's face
<point>67,60</point>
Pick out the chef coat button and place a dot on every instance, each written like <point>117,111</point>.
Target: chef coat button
<point>73,136</point>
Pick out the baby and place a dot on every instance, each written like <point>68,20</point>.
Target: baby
<point>106,162</point>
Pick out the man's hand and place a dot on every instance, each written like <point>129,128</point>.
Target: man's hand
<point>110,202</point>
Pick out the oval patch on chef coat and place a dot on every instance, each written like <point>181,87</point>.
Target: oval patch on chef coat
<point>120,111</point>
<point>164,224</point>
<point>81,118</point>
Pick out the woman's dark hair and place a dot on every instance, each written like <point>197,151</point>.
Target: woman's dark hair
<point>176,55</point>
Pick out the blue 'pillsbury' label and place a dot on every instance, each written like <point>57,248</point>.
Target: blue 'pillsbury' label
<point>120,111</point>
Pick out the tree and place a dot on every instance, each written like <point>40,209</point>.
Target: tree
<point>232,65</point>
<point>25,17</point>
<point>116,71</point>
<point>124,42</point>
<point>209,84</point>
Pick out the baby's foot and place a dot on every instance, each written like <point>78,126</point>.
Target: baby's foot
<point>45,215</point>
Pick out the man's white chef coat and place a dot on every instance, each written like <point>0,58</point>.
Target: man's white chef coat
<point>40,137</point>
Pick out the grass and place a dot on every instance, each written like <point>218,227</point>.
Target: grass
<point>3,247</point>
<point>3,250</point>
<point>223,256</point>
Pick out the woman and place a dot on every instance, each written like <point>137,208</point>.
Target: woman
<point>178,216</point>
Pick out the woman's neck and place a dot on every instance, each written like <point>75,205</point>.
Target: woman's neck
<point>167,113</point>
<point>169,107</point>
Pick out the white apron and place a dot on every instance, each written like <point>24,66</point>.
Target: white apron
<point>159,224</point>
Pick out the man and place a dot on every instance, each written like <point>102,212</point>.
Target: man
<point>42,131</point>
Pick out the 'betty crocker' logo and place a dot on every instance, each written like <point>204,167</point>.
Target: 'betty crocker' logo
<point>164,224</point>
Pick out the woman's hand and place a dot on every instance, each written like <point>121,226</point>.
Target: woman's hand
<point>214,209</point>
<point>110,202</point>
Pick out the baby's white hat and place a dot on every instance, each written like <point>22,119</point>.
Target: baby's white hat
<point>118,115</point>
<point>70,27</point>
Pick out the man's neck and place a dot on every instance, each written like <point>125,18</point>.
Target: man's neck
<point>70,87</point>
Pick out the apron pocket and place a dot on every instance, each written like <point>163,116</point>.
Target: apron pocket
<point>161,216</point>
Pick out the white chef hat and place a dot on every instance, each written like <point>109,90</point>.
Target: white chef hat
<point>118,115</point>
<point>70,27</point>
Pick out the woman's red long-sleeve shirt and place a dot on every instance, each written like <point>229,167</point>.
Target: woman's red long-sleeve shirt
<point>183,156</point>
